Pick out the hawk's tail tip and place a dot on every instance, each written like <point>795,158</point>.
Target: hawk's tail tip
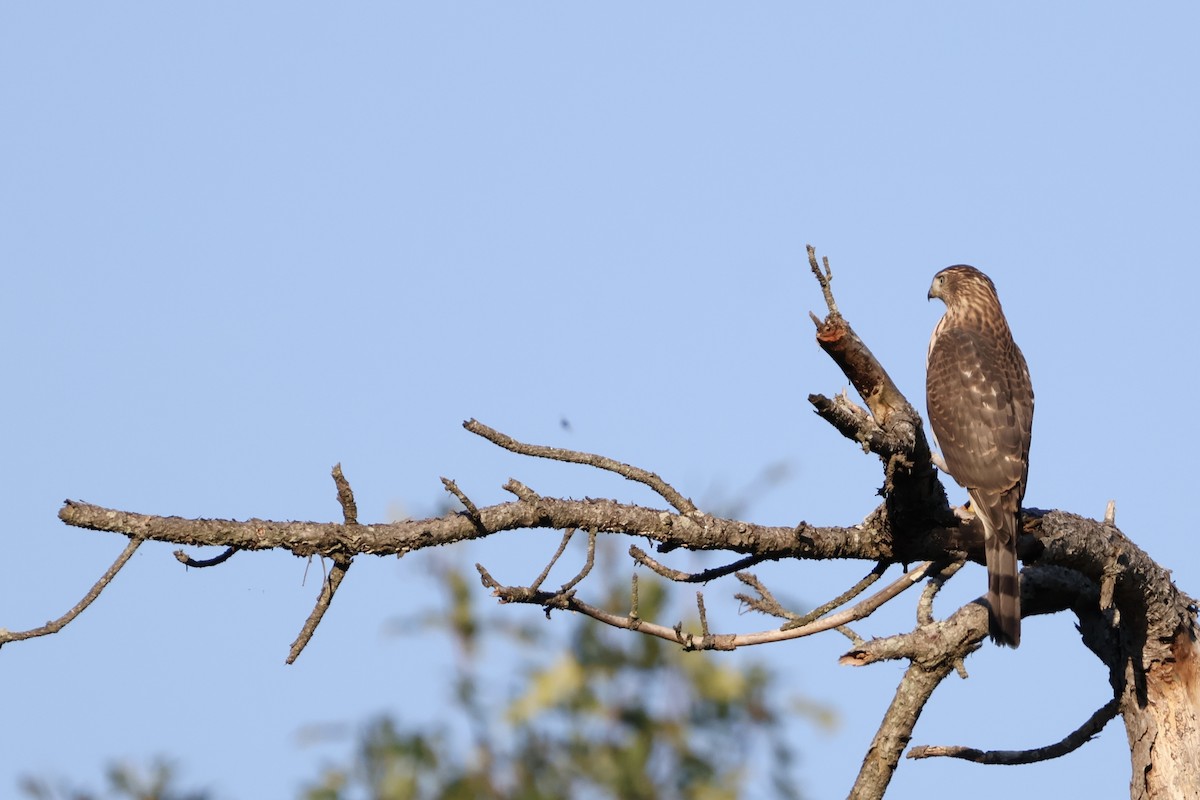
<point>1005,632</point>
<point>1002,640</point>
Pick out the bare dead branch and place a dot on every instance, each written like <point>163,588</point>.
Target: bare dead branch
<point>55,626</point>
<point>914,498</point>
<point>633,600</point>
<point>854,422</point>
<point>562,547</point>
<point>703,614</point>
<point>1044,590</point>
<point>848,632</point>
<point>924,643</point>
<point>333,580</point>
<point>639,555</point>
<point>1157,625</point>
<point>765,603</point>
<point>472,511</point>
<point>936,581</point>
<point>850,353</point>
<point>665,490</point>
<point>925,607</point>
<point>565,591</point>
<point>188,561</point>
<point>867,606</point>
<point>522,491</point>
<point>934,651</point>
<point>328,587</point>
<point>345,496</point>
<point>896,729</point>
<point>587,566</point>
<point>824,279</point>
<point>699,532</point>
<point>845,597</point>
<point>567,600</point>
<point>1143,593</point>
<point>1072,741</point>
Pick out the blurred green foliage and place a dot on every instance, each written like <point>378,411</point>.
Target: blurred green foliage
<point>125,781</point>
<point>603,713</point>
<point>612,714</point>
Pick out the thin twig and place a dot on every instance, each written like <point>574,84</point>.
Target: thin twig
<point>634,618</point>
<point>587,566</point>
<point>665,490</point>
<point>562,546</point>
<point>341,564</point>
<point>936,582</point>
<point>823,279</point>
<point>765,603</point>
<point>852,421</point>
<point>472,509</point>
<point>864,608</point>
<point>639,555</point>
<point>845,597</point>
<point>522,491</point>
<point>345,496</point>
<point>848,632</point>
<point>1073,741</point>
<point>328,587</point>
<point>56,625</point>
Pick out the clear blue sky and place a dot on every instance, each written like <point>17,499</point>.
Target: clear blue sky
<point>242,242</point>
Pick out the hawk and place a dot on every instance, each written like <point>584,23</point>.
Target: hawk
<point>980,402</point>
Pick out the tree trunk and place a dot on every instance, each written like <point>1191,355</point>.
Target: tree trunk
<point>1161,708</point>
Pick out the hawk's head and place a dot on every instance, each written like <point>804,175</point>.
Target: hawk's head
<point>958,283</point>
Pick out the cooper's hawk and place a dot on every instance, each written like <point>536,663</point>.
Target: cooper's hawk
<point>980,404</point>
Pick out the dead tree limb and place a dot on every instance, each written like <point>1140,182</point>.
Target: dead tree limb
<point>1131,615</point>
<point>1071,742</point>
<point>56,625</point>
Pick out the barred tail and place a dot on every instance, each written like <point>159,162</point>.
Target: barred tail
<point>1004,588</point>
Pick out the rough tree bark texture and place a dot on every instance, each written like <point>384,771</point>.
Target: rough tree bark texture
<point>1131,615</point>
<point>1163,735</point>
<point>1144,629</point>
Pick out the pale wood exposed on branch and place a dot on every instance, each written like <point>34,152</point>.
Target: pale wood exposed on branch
<point>566,599</point>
